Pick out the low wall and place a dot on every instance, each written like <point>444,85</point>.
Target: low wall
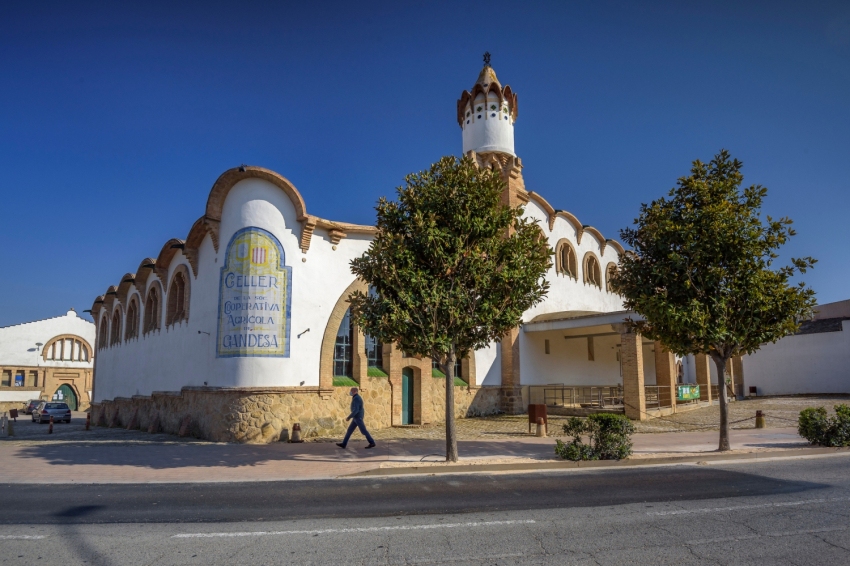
<point>263,415</point>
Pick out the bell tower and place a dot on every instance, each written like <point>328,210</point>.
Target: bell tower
<point>487,115</point>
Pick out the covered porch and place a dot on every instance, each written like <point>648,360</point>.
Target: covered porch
<point>579,363</point>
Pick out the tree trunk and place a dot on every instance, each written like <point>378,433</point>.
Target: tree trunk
<point>451,433</point>
<point>721,362</point>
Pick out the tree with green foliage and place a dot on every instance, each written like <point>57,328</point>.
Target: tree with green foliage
<point>451,269</point>
<point>701,271</point>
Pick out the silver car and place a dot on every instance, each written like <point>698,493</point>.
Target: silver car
<point>47,409</point>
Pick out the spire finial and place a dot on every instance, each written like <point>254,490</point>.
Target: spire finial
<point>486,58</point>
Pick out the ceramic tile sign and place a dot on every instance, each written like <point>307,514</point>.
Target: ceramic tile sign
<point>254,297</point>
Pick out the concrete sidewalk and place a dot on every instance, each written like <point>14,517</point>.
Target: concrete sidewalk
<point>103,462</point>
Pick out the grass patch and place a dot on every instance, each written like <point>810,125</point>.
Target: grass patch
<point>343,381</point>
<point>375,371</point>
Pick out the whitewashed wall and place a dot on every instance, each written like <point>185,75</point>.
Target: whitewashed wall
<point>179,356</point>
<point>806,363</point>
<point>185,354</point>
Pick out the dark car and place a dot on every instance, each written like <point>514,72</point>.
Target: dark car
<point>31,406</point>
<point>45,410</point>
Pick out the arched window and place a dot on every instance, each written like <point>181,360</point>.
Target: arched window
<point>610,272</point>
<point>592,273</point>
<point>103,332</point>
<point>178,299</point>
<point>152,311</point>
<point>374,352</point>
<point>565,259</point>
<point>70,348</point>
<point>115,334</point>
<point>343,365</point>
<point>132,320</point>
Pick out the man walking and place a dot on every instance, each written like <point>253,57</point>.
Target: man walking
<point>356,418</point>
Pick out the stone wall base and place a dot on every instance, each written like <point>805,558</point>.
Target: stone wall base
<point>510,400</point>
<point>260,415</point>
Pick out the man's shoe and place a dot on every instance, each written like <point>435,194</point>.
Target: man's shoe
<point>340,444</point>
<point>371,446</point>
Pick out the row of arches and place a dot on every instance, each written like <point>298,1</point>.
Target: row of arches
<point>566,263</point>
<point>141,319</point>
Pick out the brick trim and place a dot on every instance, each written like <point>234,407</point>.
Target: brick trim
<point>326,358</point>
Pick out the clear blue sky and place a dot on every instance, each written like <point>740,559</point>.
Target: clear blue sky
<point>117,117</point>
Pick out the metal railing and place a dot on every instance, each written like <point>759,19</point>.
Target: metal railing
<point>577,396</point>
<point>658,396</point>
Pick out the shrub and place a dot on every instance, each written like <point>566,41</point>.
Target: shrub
<point>609,434</point>
<point>818,428</point>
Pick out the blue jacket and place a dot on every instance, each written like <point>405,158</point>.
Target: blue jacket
<point>357,411</point>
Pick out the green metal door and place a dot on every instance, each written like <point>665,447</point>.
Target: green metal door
<point>66,394</point>
<point>407,396</point>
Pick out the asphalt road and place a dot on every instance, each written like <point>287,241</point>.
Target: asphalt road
<point>773,512</point>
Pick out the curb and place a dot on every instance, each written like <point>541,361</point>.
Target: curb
<point>569,465</point>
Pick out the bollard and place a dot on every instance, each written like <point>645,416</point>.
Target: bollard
<point>541,428</point>
<point>50,427</point>
<point>759,419</point>
<point>296,433</point>
<point>11,430</point>
<point>88,421</point>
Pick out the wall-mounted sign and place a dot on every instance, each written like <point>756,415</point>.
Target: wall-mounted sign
<point>687,392</point>
<point>254,297</point>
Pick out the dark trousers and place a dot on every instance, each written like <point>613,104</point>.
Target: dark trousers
<point>357,423</point>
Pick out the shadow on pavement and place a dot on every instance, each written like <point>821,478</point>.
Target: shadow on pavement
<point>174,456</point>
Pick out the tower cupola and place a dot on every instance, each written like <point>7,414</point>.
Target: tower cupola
<point>487,114</point>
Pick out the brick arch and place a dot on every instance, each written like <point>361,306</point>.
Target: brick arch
<point>133,316</point>
<point>83,344</point>
<point>103,331</point>
<point>227,180</point>
<point>175,310</point>
<point>592,270</point>
<point>152,315</point>
<point>610,270</point>
<point>326,358</point>
<point>166,255</point>
<point>560,268</point>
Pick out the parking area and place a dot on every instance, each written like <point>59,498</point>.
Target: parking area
<point>25,430</point>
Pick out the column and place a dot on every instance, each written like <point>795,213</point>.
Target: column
<point>631,358</point>
<point>511,402</point>
<point>359,361</point>
<point>703,376</point>
<point>393,365</point>
<point>665,376</point>
<point>738,375</point>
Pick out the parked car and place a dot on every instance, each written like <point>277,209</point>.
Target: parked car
<point>31,406</point>
<point>45,410</point>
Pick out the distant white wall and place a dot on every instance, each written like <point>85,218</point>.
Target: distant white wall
<point>18,342</point>
<point>806,363</point>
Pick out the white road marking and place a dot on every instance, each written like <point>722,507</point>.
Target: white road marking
<point>738,507</point>
<point>352,530</point>
<point>21,537</point>
<point>783,534</point>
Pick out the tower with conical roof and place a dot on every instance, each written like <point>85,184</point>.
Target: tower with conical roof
<point>487,115</point>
